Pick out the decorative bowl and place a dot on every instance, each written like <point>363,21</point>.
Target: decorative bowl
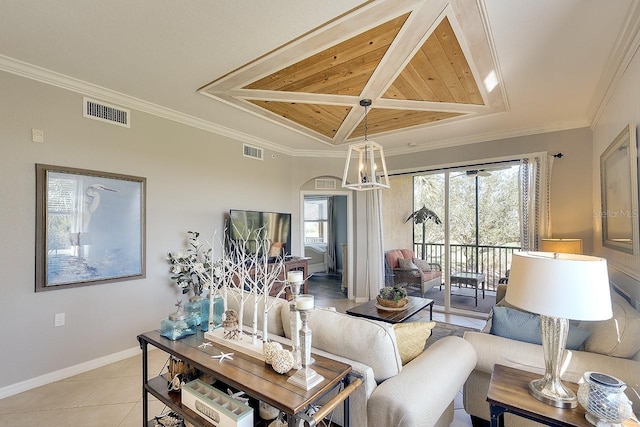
<point>391,303</point>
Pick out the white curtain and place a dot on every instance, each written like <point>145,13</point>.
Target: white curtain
<point>535,196</point>
<point>331,241</point>
<point>375,246</point>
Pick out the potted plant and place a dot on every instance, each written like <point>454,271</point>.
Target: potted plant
<point>392,296</point>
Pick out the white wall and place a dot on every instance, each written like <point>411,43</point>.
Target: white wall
<point>623,108</point>
<point>193,179</point>
<point>397,206</point>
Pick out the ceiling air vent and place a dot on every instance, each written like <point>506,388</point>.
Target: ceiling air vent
<point>99,110</point>
<point>253,152</point>
<point>325,184</point>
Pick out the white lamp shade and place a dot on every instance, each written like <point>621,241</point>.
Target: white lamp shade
<point>569,286</point>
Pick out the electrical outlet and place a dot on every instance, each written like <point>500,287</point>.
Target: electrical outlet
<point>37,135</point>
<point>59,320</point>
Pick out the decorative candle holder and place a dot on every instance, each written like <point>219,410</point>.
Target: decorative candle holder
<point>305,377</point>
<point>295,280</point>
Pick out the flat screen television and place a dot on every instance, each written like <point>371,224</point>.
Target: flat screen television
<point>277,228</point>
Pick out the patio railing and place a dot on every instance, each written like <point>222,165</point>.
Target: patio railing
<point>492,261</point>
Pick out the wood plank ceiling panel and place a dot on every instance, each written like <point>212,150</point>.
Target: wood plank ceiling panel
<point>343,69</point>
<point>324,119</point>
<point>438,72</point>
<point>383,120</point>
<point>318,93</point>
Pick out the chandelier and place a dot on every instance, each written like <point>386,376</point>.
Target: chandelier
<point>369,154</point>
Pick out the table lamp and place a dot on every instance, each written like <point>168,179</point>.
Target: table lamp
<point>558,287</point>
<point>565,246</point>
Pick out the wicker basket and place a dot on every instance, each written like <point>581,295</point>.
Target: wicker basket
<point>393,304</point>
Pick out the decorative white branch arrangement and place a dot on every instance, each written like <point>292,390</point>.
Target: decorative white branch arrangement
<point>255,276</point>
<point>242,270</point>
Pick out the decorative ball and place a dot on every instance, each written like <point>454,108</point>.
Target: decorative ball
<point>269,349</point>
<point>282,361</point>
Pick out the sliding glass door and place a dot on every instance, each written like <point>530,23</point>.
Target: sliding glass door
<point>479,230</point>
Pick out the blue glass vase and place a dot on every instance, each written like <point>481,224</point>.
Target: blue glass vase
<point>218,309</point>
<point>178,325</point>
<point>195,307</point>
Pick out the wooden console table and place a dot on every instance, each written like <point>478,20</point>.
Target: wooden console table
<point>254,377</point>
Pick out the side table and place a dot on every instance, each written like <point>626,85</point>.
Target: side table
<point>509,392</point>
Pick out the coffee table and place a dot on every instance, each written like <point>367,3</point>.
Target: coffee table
<point>370,311</point>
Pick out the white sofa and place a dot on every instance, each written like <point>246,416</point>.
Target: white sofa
<point>418,394</point>
<point>612,347</point>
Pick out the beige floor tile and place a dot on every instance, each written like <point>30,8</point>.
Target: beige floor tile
<point>18,403</point>
<point>115,390</point>
<point>98,416</point>
<point>134,418</point>
<point>39,418</point>
<point>64,394</point>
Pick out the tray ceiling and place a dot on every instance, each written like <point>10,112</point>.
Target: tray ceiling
<point>419,65</point>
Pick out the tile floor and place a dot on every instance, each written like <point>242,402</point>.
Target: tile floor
<point>110,396</point>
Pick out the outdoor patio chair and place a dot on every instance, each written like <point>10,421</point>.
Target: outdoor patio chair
<point>404,269</point>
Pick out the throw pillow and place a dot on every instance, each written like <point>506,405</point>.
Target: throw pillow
<point>422,264</point>
<point>411,338</point>
<point>617,336</point>
<point>406,263</point>
<point>524,326</point>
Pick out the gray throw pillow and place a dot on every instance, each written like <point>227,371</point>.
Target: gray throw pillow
<point>422,264</point>
<point>406,263</point>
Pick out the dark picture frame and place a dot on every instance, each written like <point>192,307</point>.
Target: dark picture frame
<point>90,227</point>
<point>619,192</point>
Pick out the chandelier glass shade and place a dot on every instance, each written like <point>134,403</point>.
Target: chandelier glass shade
<point>365,167</point>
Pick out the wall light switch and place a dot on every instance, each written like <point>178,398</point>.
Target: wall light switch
<point>59,319</point>
<point>37,135</point>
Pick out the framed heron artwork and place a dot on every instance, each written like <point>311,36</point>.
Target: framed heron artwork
<point>90,227</point>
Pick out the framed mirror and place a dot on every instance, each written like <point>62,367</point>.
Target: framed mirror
<point>90,227</point>
<point>619,193</point>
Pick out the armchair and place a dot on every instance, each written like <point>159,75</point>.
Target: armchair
<point>403,269</point>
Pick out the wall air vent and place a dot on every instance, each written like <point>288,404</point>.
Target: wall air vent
<point>253,152</point>
<point>104,112</point>
<point>325,184</point>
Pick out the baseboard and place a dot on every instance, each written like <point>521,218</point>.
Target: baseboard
<point>61,374</point>
<point>361,300</point>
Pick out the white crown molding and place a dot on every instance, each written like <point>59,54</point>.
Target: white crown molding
<point>626,47</point>
<point>489,136</point>
<point>471,139</point>
<point>62,81</point>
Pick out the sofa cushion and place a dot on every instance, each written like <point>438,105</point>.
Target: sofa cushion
<point>411,338</point>
<point>617,336</point>
<point>524,326</point>
<point>366,341</point>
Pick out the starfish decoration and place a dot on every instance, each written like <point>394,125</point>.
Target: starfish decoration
<point>223,356</point>
<point>238,396</point>
<point>205,345</point>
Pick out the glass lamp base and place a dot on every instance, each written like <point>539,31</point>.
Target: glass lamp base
<point>553,393</point>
